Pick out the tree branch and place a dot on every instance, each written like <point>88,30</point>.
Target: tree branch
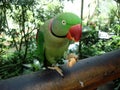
<point>86,74</point>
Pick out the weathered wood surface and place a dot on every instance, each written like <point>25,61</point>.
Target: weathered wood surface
<point>86,74</point>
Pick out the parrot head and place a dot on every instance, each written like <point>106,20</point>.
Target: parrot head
<point>67,25</point>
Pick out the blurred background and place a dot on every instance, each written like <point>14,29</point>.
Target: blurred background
<point>20,20</point>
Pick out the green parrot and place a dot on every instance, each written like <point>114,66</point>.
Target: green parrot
<point>55,35</point>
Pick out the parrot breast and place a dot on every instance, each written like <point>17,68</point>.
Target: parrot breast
<point>55,46</point>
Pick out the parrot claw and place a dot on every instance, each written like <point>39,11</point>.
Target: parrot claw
<point>72,59</point>
<point>57,69</point>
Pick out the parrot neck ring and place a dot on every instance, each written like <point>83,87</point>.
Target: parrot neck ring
<point>50,27</point>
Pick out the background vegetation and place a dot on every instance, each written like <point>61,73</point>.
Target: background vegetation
<point>20,20</point>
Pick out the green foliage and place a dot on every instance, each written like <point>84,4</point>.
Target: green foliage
<point>92,45</point>
<point>100,47</point>
<point>19,23</point>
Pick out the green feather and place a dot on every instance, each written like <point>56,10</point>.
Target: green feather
<point>70,19</point>
<point>49,47</point>
<point>40,46</point>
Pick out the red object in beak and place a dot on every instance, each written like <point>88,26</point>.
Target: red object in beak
<point>75,33</point>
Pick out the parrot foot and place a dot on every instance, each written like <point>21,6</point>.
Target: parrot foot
<point>57,69</point>
<point>72,59</point>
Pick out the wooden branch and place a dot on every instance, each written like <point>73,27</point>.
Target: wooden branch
<point>86,74</point>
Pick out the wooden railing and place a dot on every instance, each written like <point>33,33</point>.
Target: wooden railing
<point>86,74</point>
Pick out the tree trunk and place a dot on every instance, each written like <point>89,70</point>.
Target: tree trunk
<point>86,74</point>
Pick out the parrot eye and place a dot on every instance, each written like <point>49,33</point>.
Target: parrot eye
<point>63,22</point>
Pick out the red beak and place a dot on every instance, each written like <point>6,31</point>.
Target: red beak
<point>75,33</point>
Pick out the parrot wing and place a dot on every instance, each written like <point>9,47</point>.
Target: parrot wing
<point>40,46</point>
